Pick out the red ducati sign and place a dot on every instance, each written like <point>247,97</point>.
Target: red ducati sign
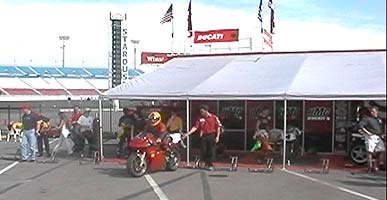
<point>224,35</point>
<point>154,58</point>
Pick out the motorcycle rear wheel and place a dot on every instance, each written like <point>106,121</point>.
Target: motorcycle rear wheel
<point>134,166</point>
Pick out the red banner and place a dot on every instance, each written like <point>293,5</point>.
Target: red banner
<point>154,58</point>
<point>223,35</point>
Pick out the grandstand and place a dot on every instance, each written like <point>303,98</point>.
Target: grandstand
<point>50,89</point>
<point>44,82</point>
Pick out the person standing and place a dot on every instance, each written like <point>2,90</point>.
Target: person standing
<point>44,127</point>
<point>175,123</point>
<point>372,130</point>
<point>28,144</point>
<point>63,128</point>
<point>86,124</point>
<point>126,123</point>
<point>210,129</point>
<point>76,129</point>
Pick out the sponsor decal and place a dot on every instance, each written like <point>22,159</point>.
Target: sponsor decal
<point>291,112</point>
<point>318,114</point>
<point>223,35</point>
<point>231,112</point>
<point>154,58</point>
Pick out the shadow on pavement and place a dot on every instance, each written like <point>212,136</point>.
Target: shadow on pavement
<point>133,196</point>
<point>114,172</point>
<point>372,178</point>
<point>363,184</point>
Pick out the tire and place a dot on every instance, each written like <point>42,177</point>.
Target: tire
<point>296,150</point>
<point>133,166</point>
<point>358,154</point>
<point>173,160</point>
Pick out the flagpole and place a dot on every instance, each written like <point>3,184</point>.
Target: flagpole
<point>185,40</point>
<point>172,36</point>
<point>192,46</point>
<point>261,36</point>
<point>271,6</point>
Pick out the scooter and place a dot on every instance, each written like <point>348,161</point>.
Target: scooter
<point>148,154</point>
<point>293,140</point>
<point>358,151</point>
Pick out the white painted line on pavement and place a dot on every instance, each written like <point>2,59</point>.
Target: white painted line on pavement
<point>9,167</point>
<point>331,185</point>
<point>156,188</point>
<point>17,162</point>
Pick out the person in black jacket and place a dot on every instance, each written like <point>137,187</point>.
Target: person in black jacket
<point>126,123</point>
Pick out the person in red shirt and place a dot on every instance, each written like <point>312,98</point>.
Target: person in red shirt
<point>75,115</point>
<point>210,129</point>
<point>76,129</point>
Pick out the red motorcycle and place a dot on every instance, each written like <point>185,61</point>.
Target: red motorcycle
<point>149,154</point>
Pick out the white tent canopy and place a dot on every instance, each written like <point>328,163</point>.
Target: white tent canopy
<point>312,75</point>
<point>299,75</point>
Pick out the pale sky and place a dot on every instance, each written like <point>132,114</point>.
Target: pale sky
<point>30,28</point>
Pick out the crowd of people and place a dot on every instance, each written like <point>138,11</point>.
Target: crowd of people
<point>78,128</point>
<point>73,132</point>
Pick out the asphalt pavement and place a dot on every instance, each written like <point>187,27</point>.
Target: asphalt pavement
<point>68,179</point>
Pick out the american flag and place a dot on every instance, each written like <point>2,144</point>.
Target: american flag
<point>260,11</point>
<point>267,38</point>
<point>189,19</point>
<point>272,24</point>
<point>268,43</point>
<point>168,16</point>
<point>267,34</point>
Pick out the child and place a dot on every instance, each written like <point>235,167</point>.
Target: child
<point>262,137</point>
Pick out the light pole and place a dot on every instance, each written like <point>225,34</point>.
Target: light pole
<point>134,42</point>
<point>63,38</point>
<point>209,47</point>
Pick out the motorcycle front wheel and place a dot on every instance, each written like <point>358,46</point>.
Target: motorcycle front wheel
<point>135,167</point>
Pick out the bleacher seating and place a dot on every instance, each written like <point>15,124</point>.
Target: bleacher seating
<point>27,71</point>
<point>75,72</point>
<point>48,81</point>
<point>8,71</point>
<point>98,72</point>
<point>48,72</point>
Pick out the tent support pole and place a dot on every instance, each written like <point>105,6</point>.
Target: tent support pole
<point>245,132</point>
<point>274,114</point>
<point>284,136</point>
<point>188,127</point>
<point>333,118</point>
<point>303,129</point>
<point>100,127</point>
